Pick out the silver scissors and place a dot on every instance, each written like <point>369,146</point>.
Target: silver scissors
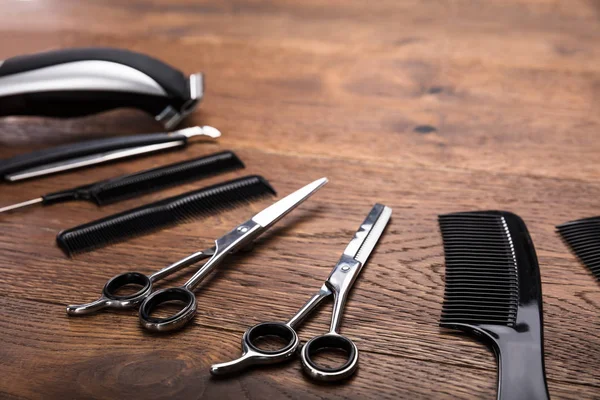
<point>240,237</point>
<point>338,284</point>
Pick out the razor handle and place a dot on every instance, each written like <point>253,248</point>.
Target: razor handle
<point>84,81</point>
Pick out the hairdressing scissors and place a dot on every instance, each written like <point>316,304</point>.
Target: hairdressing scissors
<point>337,285</point>
<point>240,237</point>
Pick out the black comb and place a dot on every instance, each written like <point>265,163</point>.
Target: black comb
<point>583,237</point>
<point>163,213</point>
<point>128,186</point>
<point>493,291</point>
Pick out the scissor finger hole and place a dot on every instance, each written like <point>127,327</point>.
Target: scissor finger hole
<point>127,286</point>
<point>330,353</point>
<point>271,337</point>
<point>168,309</point>
<point>270,343</point>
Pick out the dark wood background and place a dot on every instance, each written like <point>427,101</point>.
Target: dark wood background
<point>427,106</point>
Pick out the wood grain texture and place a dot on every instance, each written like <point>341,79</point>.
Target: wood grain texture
<point>426,106</point>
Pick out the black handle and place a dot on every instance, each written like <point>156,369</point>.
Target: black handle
<point>80,193</point>
<point>278,329</point>
<point>82,81</point>
<point>112,287</point>
<point>65,152</point>
<point>521,370</point>
<point>180,295</point>
<point>330,342</point>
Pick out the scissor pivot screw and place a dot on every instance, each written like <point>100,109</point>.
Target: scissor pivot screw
<point>345,268</point>
<point>242,229</point>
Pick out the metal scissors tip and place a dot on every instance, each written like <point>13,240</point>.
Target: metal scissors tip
<point>275,212</point>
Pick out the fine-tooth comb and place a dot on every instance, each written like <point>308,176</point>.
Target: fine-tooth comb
<point>493,290</point>
<point>163,213</point>
<point>137,184</point>
<point>583,237</point>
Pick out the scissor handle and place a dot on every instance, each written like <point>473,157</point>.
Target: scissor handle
<point>278,329</point>
<point>110,299</point>
<point>328,342</point>
<point>177,321</point>
<point>252,354</point>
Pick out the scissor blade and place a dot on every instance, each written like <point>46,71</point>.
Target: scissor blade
<point>365,239</point>
<point>275,212</point>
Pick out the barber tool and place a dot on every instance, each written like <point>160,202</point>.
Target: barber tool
<point>93,152</point>
<point>493,291</point>
<point>583,237</point>
<point>238,238</point>
<point>84,81</point>
<point>128,186</point>
<point>338,286</point>
<point>163,213</point>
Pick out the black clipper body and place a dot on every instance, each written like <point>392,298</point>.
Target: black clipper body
<point>84,81</point>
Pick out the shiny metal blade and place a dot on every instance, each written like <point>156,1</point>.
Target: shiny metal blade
<point>365,239</point>
<point>275,212</point>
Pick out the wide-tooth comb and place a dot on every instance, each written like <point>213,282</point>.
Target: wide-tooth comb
<point>583,237</point>
<point>163,213</point>
<point>493,290</point>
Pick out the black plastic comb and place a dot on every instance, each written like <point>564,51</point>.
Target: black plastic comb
<point>583,237</point>
<point>493,290</point>
<point>128,186</point>
<point>163,213</point>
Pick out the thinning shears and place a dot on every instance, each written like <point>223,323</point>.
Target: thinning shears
<point>337,285</point>
<point>238,238</point>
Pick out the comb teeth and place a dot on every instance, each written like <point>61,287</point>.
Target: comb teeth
<point>163,213</point>
<point>159,178</point>
<point>481,270</point>
<point>583,237</point>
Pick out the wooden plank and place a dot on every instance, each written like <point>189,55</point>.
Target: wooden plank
<point>403,283</point>
<point>113,364</point>
<point>427,106</point>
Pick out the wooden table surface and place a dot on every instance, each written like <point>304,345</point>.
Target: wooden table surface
<point>426,106</point>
